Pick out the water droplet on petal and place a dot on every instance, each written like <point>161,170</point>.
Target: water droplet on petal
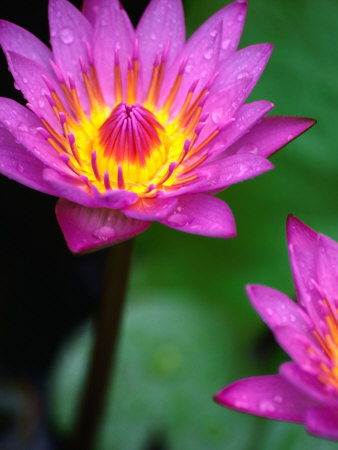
<point>66,36</point>
<point>240,18</point>
<point>292,318</point>
<point>225,44</point>
<point>213,33</point>
<point>178,219</point>
<point>20,168</point>
<point>41,103</point>
<point>242,75</point>
<point>24,79</point>
<point>291,136</point>
<point>269,311</point>
<point>278,398</point>
<point>153,36</point>
<point>22,127</point>
<point>208,53</point>
<point>188,68</point>
<point>217,115</point>
<point>266,406</point>
<point>104,233</point>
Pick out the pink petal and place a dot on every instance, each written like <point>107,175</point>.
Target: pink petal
<point>327,269</point>
<point>162,22</point>
<point>201,55</point>
<point>18,40</point>
<point>18,164</point>
<point>88,229</point>
<point>297,345</point>
<point>204,215</point>
<point>271,134</point>
<point>245,119</point>
<point>23,124</point>
<point>230,170</point>
<point>113,30</point>
<point>72,189</point>
<point>151,209</point>
<point>322,421</point>
<point>248,62</point>
<point>28,77</point>
<point>303,244</point>
<point>90,9</point>
<point>69,33</point>
<point>277,309</point>
<point>309,384</point>
<point>233,18</point>
<point>114,199</point>
<point>267,396</point>
<point>221,107</point>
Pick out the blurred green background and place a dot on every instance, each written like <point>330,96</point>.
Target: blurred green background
<point>189,328</point>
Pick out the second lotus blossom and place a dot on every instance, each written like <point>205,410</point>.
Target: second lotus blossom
<point>306,390</point>
<point>132,126</point>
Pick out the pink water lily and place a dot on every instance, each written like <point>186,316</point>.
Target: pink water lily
<point>306,390</point>
<point>132,126</point>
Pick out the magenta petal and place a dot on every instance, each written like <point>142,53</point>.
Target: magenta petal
<point>309,384</point>
<point>230,170</point>
<point>221,107</point>
<point>268,396</point>
<point>88,229</point>
<point>201,55</point>
<point>297,345</point>
<point>113,30</point>
<point>277,309</point>
<point>23,124</point>
<point>114,199</point>
<point>151,209</point>
<point>322,421</point>
<point>18,40</point>
<point>90,9</point>
<point>327,269</point>
<point>69,33</point>
<point>302,244</point>
<point>18,164</point>
<point>161,22</point>
<point>271,134</point>
<point>248,62</point>
<point>204,215</point>
<point>28,77</point>
<point>246,118</point>
<point>69,188</point>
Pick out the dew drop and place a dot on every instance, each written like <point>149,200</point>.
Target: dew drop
<point>217,115</point>
<point>178,219</point>
<point>104,233</point>
<point>153,36</point>
<point>20,168</point>
<point>225,44</point>
<point>240,18</point>
<point>242,75</point>
<point>24,79</point>
<point>278,398</point>
<point>66,36</point>
<point>22,127</point>
<point>269,311</point>
<point>291,136</point>
<point>41,103</point>
<point>208,53</point>
<point>292,318</point>
<point>266,406</point>
<point>188,68</point>
<point>213,33</point>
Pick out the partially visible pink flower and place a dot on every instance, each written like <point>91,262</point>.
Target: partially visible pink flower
<point>132,126</point>
<point>306,390</point>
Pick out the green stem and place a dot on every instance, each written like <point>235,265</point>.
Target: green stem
<point>105,346</point>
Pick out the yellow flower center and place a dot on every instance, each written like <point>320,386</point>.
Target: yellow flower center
<point>133,146</point>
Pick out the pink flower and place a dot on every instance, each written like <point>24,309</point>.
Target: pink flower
<point>306,390</point>
<point>133,126</point>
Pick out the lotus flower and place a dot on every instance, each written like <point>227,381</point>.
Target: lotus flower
<point>306,390</point>
<point>132,126</point>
